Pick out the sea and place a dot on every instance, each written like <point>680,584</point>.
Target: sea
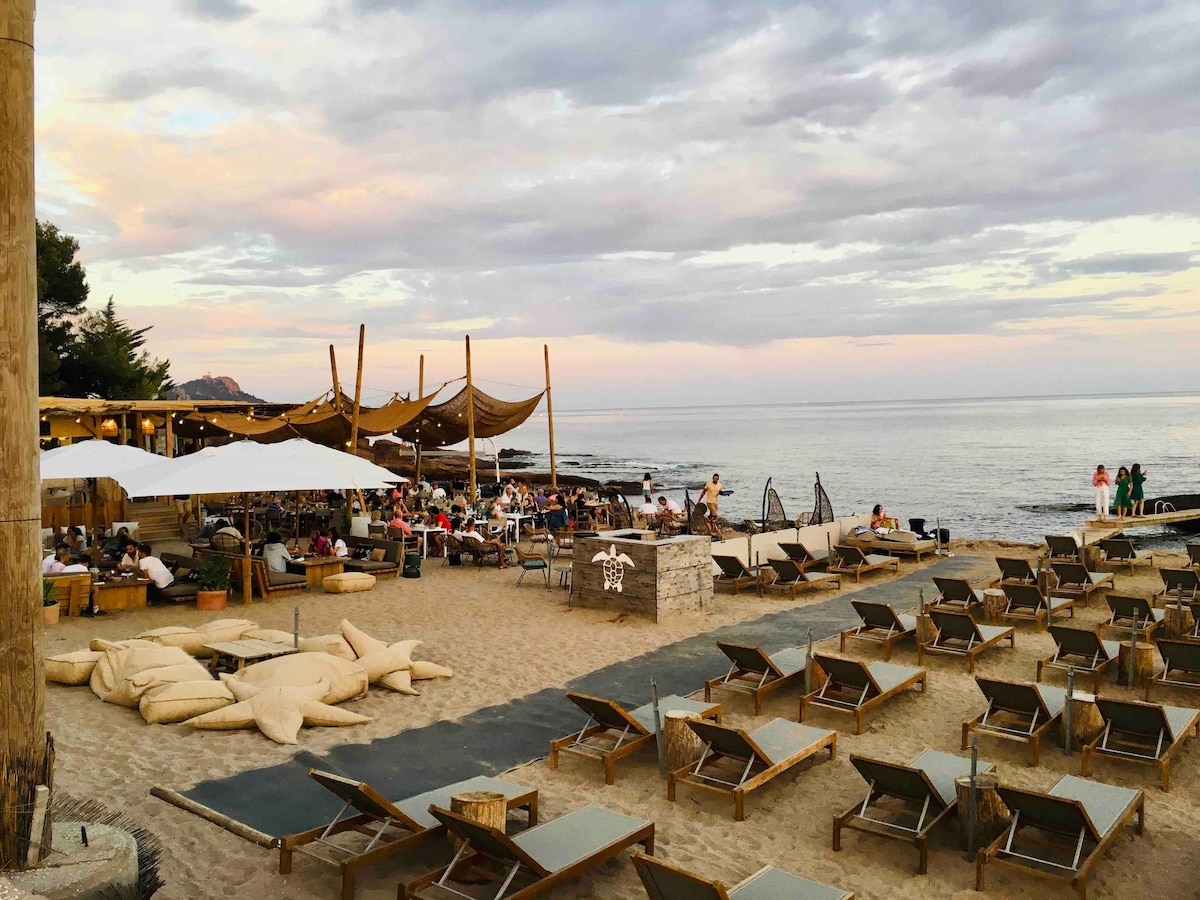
<point>1005,469</point>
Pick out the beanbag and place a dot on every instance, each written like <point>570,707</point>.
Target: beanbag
<point>166,703</point>
<point>333,644</point>
<point>348,583</point>
<point>274,635</point>
<point>72,668</point>
<point>385,664</point>
<point>345,680</point>
<point>279,712</point>
<point>226,630</point>
<point>117,665</point>
<point>187,639</point>
<point>101,644</point>
<point>420,669</point>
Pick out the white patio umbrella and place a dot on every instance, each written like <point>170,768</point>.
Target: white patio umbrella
<point>244,466</point>
<point>93,459</point>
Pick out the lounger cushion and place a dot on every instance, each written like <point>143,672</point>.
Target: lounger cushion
<point>1054,698</point>
<point>576,836</point>
<point>900,537</point>
<point>423,670</point>
<point>365,565</point>
<point>348,583</point>
<point>345,679</point>
<point>942,768</point>
<point>1103,803</point>
<point>991,632</point>
<point>177,592</point>
<point>644,715</point>
<point>876,559</point>
<point>166,703</point>
<point>776,884</point>
<point>1058,602</point>
<point>417,807</point>
<point>888,675</point>
<point>780,738</point>
<point>1179,719</point>
<point>286,579</point>
<point>791,660</point>
<point>71,668</point>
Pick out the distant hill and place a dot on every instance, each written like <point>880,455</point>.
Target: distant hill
<point>220,387</point>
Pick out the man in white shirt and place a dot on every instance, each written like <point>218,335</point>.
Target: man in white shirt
<point>666,505</point>
<point>648,509</point>
<point>81,567</point>
<point>275,553</point>
<point>158,573</point>
<point>469,533</point>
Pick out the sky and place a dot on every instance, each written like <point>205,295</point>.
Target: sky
<point>689,202</point>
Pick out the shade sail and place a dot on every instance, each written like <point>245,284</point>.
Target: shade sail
<point>292,465</point>
<point>446,423</point>
<point>93,459</point>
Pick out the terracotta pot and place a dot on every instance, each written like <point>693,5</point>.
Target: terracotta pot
<point>211,600</point>
<point>50,614</point>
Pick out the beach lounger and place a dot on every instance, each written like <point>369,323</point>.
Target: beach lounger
<point>855,687</point>
<point>537,859</point>
<point>1120,552</point>
<point>852,561</point>
<point>955,594</point>
<point>390,827</point>
<point>1077,583</point>
<point>960,635</point>
<point>1181,665</point>
<point>1063,548</point>
<point>755,673</point>
<point>735,762</point>
<point>1016,571</point>
<point>880,624</point>
<point>1128,612</point>
<point>1185,582</point>
<point>1073,824</point>
<point>734,571</point>
<point>1146,733</point>
<point>1017,711</point>
<point>925,791</point>
<point>791,578</point>
<point>803,557</point>
<point>1082,650</point>
<point>611,733</point>
<point>1027,604</point>
<point>664,881</point>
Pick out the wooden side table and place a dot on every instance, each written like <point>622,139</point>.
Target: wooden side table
<point>234,656</point>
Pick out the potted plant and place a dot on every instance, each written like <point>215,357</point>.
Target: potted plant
<point>49,603</point>
<point>212,577</point>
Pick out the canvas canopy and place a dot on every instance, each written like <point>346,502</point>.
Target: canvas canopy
<point>446,423</point>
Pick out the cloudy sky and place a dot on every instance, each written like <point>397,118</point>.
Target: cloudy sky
<point>690,202</point>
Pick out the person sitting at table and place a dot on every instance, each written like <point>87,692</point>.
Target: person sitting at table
<point>130,559</point>
<point>405,529</point>
<point>50,561</point>
<point>556,513</point>
<point>225,527</point>
<point>62,559</point>
<point>81,565</point>
<point>439,493</point>
<point>317,545</point>
<point>160,576</point>
<point>116,544</point>
<point>648,509</point>
<point>337,547</point>
<point>275,553</point>
<point>75,540</point>
<point>470,534</point>
<point>437,519</point>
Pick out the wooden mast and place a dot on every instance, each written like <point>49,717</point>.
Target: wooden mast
<point>470,426</point>
<point>420,396</point>
<point>23,748</point>
<point>337,385</point>
<point>362,336</point>
<point>550,419</point>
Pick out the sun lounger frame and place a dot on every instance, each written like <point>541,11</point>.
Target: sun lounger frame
<point>1042,614</point>
<point>838,564</point>
<point>976,644</point>
<point>597,740</point>
<point>754,682</point>
<point>840,696</point>
<point>744,573</point>
<point>1172,584</point>
<point>954,603</point>
<point>1123,621</point>
<point>877,634</point>
<point>1061,548</point>
<point>1120,552</point>
<point>801,580</point>
<point>1176,650</point>
<point>716,889</point>
<point>1028,573</point>
<point>1083,665</point>
<point>1011,724</point>
<point>1119,743</point>
<point>1078,590</point>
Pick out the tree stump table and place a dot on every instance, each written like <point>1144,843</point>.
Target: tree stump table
<point>1142,657</point>
<point>991,815</point>
<point>1089,555</point>
<point>681,745</point>
<point>994,603</point>
<point>925,630</point>
<point>1178,620</point>
<point>485,807</point>
<point>1086,721</point>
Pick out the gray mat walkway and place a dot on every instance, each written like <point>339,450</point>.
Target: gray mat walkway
<point>282,799</point>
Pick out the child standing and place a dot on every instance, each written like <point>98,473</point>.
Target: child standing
<point>1123,503</point>
<point>1138,493</point>
<point>1101,481</point>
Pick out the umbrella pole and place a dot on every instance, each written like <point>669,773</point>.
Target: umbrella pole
<point>549,419</point>
<point>420,395</point>
<point>362,336</point>
<point>247,587</point>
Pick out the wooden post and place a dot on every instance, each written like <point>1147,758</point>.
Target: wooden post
<point>22,684</point>
<point>362,336</point>
<point>991,815</point>
<point>247,586</point>
<point>337,385</point>
<point>170,425</point>
<point>470,427</point>
<point>550,419</point>
<point>420,395</point>
<point>681,745</point>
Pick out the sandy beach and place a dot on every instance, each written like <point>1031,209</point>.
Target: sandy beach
<point>505,642</point>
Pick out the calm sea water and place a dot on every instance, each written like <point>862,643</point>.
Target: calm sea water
<point>1008,468</point>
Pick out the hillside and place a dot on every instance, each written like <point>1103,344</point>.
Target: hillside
<point>220,387</point>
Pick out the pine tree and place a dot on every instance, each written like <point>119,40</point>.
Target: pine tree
<point>62,290</point>
<point>105,359</point>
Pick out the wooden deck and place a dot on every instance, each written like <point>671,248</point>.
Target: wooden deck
<point>1095,530</point>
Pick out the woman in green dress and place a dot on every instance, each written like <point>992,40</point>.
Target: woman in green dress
<point>1138,494</point>
<point>1123,503</point>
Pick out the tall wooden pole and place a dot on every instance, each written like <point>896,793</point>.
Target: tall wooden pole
<point>470,425</point>
<point>337,385</point>
<point>170,423</point>
<point>22,684</point>
<point>550,419</point>
<point>420,396</point>
<point>362,337</point>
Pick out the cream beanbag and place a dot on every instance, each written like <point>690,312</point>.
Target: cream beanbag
<point>346,680</point>
<point>385,664</point>
<point>175,702</point>
<point>72,668</point>
<point>420,670</point>
<point>117,665</point>
<point>226,630</point>
<point>274,635</point>
<point>333,644</point>
<point>279,712</point>
<point>130,690</point>
<point>101,644</point>
<point>348,583</point>
<point>187,639</point>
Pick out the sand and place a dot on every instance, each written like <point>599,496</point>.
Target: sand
<point>477,622</point>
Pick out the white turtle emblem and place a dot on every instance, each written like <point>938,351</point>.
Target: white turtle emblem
<point>614,567</point>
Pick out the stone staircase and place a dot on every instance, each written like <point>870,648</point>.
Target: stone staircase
<point>156,520</point>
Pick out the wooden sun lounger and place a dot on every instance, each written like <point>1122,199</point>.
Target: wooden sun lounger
<point>1179,582</point>
<point>1016,571</point>
<point>924,788</point>
<point>791,577</point>
<point>391,827</point>
<point>1062,548</point>
<point>852,561</point>
<point>1027,604</point>
<point>537,859</point>
<point>755,673</point>
<point>1146,733</point>
<point>1082,650</point>
<point>1085,817</point>
<point>955,594</point>
<point>1120,552</point>
<point>664,881</point>
<point>1181,665</point>
<point>803,557</point>
<point>1077,583</point>
<point>611,733</point>
<point>734,572</point>
<point>880,624</point>
<point>1130,612</point>
<point>1017,711</point>
<point>855,687</point>
<point>735,762</point>
<point>957,634</point>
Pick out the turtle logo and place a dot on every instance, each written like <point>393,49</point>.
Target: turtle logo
<point>614,567</point>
